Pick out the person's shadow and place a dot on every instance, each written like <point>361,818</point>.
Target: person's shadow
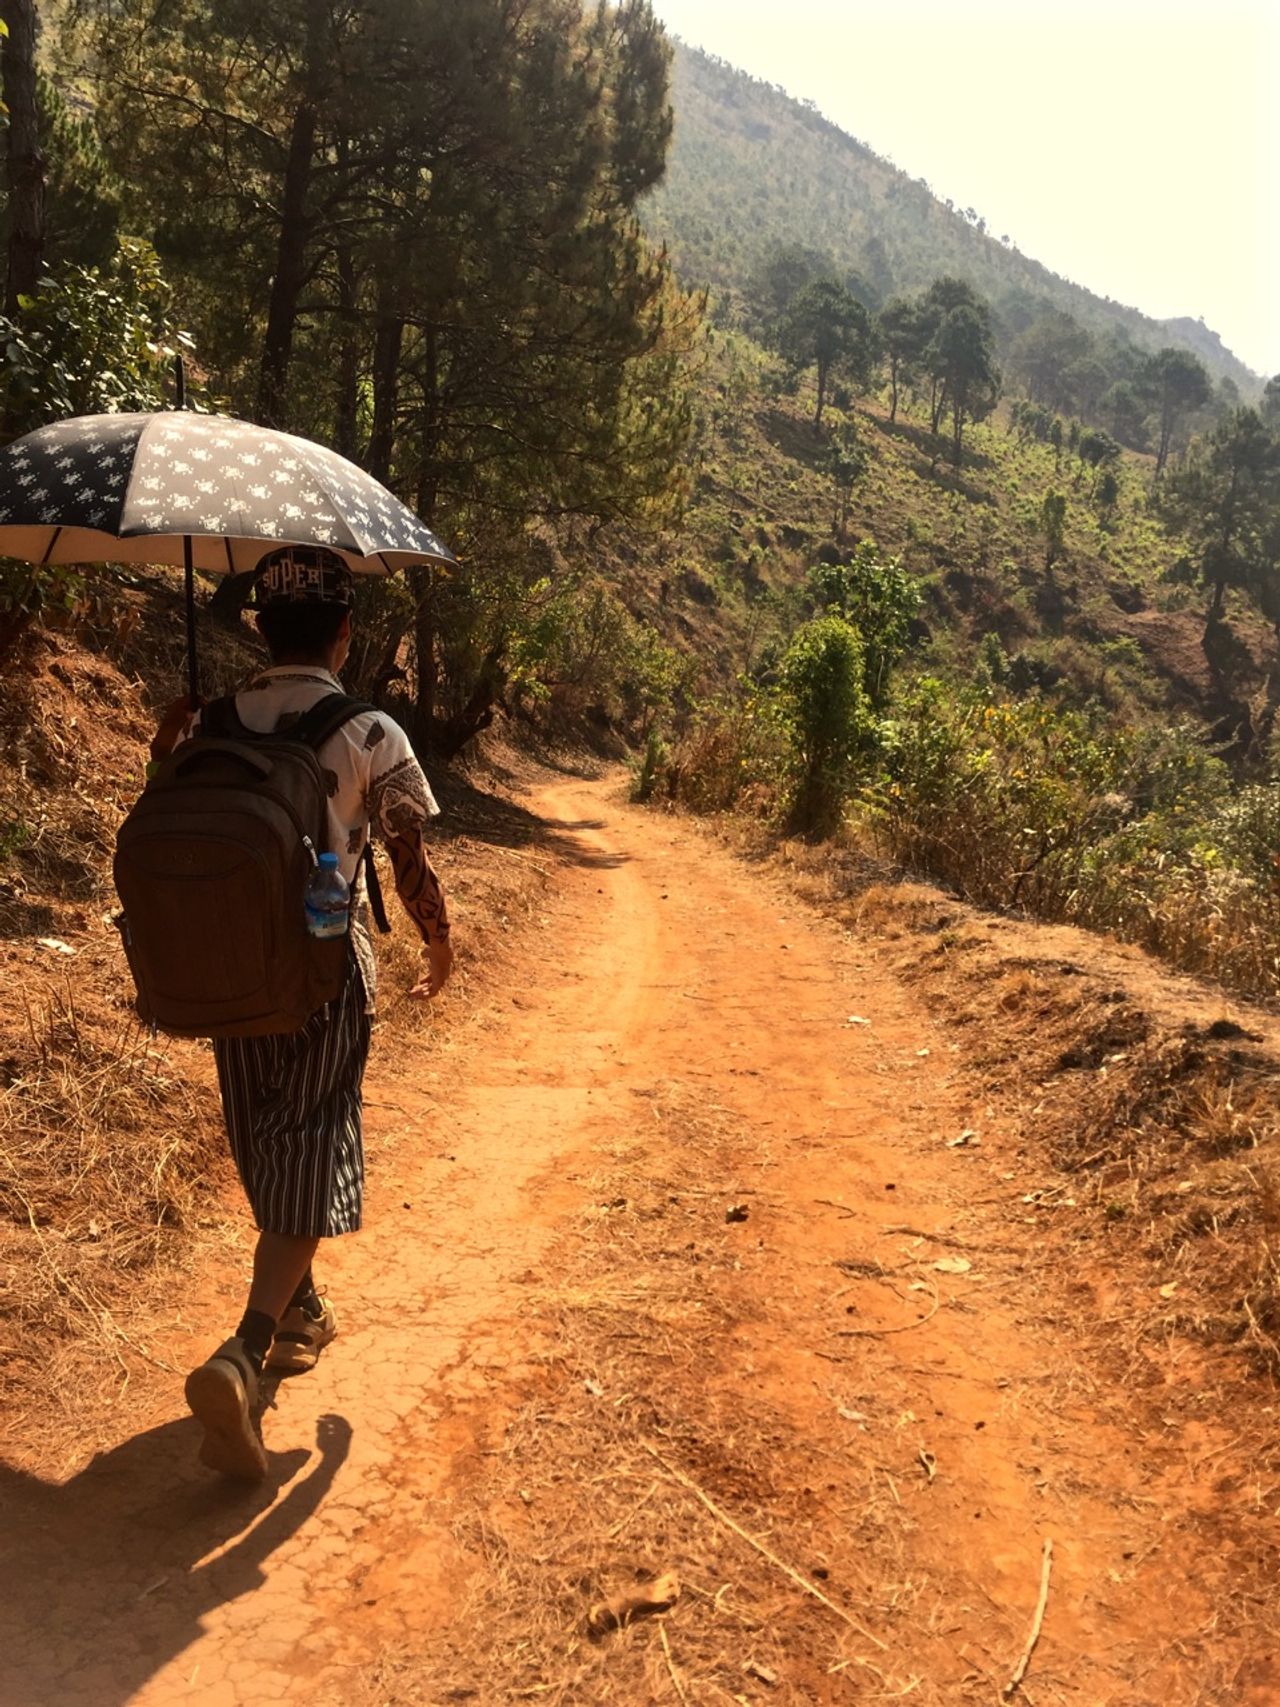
<point>107,1577</point>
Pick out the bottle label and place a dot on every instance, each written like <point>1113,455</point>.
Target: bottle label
<point>327,923</point>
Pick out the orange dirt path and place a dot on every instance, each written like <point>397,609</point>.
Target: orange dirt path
<point>664,965</point>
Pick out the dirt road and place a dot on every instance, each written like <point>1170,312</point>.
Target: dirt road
<point>671,1264</point>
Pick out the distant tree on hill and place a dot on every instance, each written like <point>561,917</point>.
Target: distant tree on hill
<point>961,356</point>
<point>1086,380</point>
<point>1178,384</point>
<point>944,295</point>
<point>779,279</point>
<point>1055,439</point>
<point>1099,450</point>
<point>847,463</point>
<point>903,332</point>
<point>875,267</point>
<point>1107,491</point>
<point>1123,409</point>
<point>857,286</point>
<point>1226,397</point>
<point>1269,408</point>
<point>1226,502</point>
<point>826,327</point>
<point>1053,525</point>
<point>1044,355</point>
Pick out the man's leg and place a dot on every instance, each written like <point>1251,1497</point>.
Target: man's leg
<point>292,1107</point>
<point>281,1262</point>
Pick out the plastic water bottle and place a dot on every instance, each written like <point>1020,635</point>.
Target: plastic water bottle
<point>328,899</point>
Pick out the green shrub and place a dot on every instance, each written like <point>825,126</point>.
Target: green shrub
<point>90,341</point>
<point>880,599</point>
<point>825,711</point>
<point>649,768</point>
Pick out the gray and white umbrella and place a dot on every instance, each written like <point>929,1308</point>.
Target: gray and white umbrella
<point>203,491</point>
<point>135,488</point>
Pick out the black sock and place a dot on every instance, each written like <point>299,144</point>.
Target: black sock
<point>305,1297</point>
<point>257,1330</point>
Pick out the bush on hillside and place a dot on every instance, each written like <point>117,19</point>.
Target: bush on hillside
<point>823,708</point>
<point>91,341</point>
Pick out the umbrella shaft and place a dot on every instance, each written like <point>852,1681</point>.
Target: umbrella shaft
<point>189,576</point>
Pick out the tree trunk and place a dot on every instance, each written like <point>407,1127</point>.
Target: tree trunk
<point>429,426</point>
<point>1166,435</point>
<point>424,628</point>
<point>388,338</point>
<point>450,735</point>
<point>937,405</point>
<point>957,430</point>
<point>893,381</point>
<point>25,162</point>
<point>291,269</point>
<point>346,403</point>
<point>424,644</point>
<point>822,393</point>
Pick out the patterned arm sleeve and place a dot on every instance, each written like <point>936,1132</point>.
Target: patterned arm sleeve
<point>418,886</point>
<point>401,805</point>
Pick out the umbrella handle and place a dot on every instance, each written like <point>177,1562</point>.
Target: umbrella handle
<point>189,578</point>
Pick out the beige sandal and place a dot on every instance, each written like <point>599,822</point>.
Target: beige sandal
<point>301,1338</point>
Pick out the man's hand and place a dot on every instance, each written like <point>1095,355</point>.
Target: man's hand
<point>172,724</point>
<point>439,957</point>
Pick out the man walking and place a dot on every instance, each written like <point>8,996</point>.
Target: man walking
<point>293,1101</point>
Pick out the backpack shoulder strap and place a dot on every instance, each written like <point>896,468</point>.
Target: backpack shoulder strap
<point>325,718</point>
<point>221,720</point>
<point>314,728</point>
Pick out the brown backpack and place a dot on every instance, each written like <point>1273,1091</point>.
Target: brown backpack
<point>211,867</point>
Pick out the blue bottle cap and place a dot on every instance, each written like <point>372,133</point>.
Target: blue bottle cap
<point>329,860</point>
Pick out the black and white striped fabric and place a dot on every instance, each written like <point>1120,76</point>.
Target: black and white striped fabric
<point>293,1111</point>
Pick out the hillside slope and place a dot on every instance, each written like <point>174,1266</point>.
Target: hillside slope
<point>1103,624</point>
<point>751,168</point>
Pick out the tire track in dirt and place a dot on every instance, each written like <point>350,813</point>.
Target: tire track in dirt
<point>665,968</point>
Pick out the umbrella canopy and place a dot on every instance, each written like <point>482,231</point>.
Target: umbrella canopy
<point>199,490</point>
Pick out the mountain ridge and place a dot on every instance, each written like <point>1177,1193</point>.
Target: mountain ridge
<point>752,167</point>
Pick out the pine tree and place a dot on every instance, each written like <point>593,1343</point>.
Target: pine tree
<point>1226,501</point>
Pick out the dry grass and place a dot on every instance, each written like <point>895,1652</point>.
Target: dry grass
<point>109,1160</point>
<point>640,1452</point>
<point>109,1152</point>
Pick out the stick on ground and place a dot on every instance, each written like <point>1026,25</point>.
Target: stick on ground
<point>1020,1670</point>
<point>902,1327</point>
<point>671,1665</point>
<point>774,1560</point>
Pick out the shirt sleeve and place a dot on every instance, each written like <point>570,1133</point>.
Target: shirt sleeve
<point>398,796</point>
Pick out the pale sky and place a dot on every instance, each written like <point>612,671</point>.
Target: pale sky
<point>1133,146</point>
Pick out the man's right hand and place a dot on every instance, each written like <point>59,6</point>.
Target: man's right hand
<point>172,724</point>
<point>439,958</point>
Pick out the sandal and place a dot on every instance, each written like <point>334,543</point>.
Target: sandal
<point>223,1396</point>
<point>301,1338</point>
